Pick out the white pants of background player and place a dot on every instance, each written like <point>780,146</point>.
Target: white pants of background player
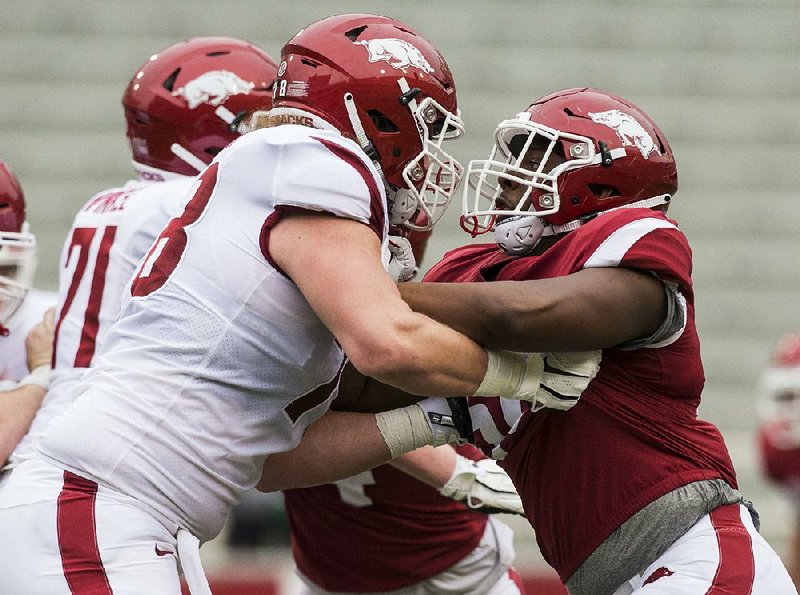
<point>65,535</point>
<point>721,554</point>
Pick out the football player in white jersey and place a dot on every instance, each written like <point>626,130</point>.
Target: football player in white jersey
<point>26,335</point>
<point>240,315</point>
<point>181,108</point>
<point>20,307</point>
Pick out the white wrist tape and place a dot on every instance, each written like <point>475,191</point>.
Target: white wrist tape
<point>512,375</point>
<point>404,429</point>
<point>39,376</point>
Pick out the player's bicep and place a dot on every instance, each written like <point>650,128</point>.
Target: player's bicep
<point>590,309</point>
<point>621,305</point>
<point>336,264</point>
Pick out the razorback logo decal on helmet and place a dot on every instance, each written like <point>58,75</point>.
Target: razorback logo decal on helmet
<point>213,87</point>
<point>397,53</point>
<point>629,131</point>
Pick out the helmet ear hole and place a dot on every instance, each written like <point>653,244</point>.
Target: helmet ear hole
<point>603,190</point>
<point>354,34</point>
<point>381,121</point>
<point>169,82</point>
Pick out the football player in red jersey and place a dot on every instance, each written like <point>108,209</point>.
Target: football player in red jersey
<point>779,431</point>
<point>627,490</point>
<point>404,536</point>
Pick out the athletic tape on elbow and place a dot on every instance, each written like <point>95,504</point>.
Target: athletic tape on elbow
<point>404,429</point>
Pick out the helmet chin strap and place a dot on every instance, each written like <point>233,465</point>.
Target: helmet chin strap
<point>186,156</point>
<point>358,129</point>
<point>646,203</point>
<point>519,235</point>
<point>402,205</point>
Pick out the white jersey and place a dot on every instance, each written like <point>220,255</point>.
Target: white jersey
<point>13,356</point>
<point>110,235</point>
<point>218,360</point>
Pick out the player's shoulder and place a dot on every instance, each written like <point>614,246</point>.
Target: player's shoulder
<point>631,222</point>
<point>313,169</point>
<point>293,137</point>
<point>136,201</point>
<point>636,238</point>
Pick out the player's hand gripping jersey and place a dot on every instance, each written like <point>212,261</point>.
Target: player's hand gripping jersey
<point>217,337</point>
<point>634,435</point>
<point>13,366</point>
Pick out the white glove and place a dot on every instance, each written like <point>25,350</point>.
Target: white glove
<point>402,264</point>
<point>482,485</point>
<point>566,375</point>
<point>553,380</point>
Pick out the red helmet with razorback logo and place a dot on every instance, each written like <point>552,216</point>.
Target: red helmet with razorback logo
<point>379,82</point>
<point>17,248</point>
<point>185,104</point>
<point>595,152</point>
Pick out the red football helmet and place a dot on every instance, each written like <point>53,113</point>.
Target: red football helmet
<point>379,82</point>
<point>593,152</point>
<point>17,248</point>
<point>185,104</point>
<point>779,393</point>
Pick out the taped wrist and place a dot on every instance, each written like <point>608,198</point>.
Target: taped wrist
<point>404,429</point>
<point>512,375</point>
<point>39,376</point>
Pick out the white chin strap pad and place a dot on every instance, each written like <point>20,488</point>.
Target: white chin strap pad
<point>403,206</point>
<point>518,235</point>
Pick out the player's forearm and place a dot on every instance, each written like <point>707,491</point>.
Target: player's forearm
<point>432,466</point>
<point>453,304</point>
<point>420,356</point>
<point>17,410</point>
<point>338,445</point>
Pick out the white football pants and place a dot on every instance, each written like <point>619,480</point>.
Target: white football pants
<point>65,535</point>
<point>722,554</point>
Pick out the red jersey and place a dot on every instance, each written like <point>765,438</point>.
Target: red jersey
<point>379,530</point>
<point>634,435</point>
<point>780,456</point>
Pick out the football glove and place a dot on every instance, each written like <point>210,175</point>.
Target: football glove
<point>483,486</point>
<point>553,380</point>
<point>565,376</point>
